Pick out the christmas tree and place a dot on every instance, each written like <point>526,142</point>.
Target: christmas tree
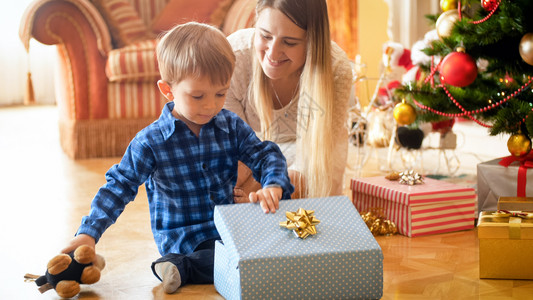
<point>480,68</point>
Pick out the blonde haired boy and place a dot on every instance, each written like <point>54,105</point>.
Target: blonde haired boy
<point>188,160</point>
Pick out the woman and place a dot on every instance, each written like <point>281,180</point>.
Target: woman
<point>292,85</point>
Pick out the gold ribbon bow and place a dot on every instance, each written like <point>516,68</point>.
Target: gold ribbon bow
<point>516,214</point>
<point>301,222</point>
<point>513,218</point>
<point>377,224</point>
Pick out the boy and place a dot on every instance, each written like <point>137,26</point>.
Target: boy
<point>188,160</point>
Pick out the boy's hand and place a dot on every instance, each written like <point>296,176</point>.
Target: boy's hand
<point>81,239</point>
<point>268,198</point>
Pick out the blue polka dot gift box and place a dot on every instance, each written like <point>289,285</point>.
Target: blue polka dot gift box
<point>260,259</point>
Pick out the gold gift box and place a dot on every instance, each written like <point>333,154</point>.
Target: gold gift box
<point>516,203</point>
<point>505,246</point>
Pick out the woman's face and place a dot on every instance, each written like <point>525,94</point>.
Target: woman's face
<point>280,44</point>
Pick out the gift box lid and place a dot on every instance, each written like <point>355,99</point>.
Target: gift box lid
<point>516,203</point>
<point>503,225</point>
<point>431,191</point>
<point>249,233</point>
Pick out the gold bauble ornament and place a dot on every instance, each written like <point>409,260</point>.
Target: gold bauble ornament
<point>445,23</point>
<point>404,113</point>
<point>519,144</point>
<point>526,48</point>
<point>447,5</point>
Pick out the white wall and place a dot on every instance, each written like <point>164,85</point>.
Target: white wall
<point>14,60</point>
<point>407,23</point>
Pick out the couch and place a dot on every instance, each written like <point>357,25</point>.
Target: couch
<point>106,88</point>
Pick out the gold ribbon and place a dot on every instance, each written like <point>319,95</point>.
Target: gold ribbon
<point>302,222</point>
<point>377,224</point>
<point>514,219</point>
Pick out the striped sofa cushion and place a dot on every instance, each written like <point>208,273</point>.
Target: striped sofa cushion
<point>136,62</point>
<point>148,10</point>
<point>140,100</point>
<point>240,15</point>
<point>124,22</point>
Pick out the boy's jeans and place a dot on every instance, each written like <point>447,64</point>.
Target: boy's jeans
<point>196,267</point>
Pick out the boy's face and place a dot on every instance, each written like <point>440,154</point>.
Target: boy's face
<point>197,100</point>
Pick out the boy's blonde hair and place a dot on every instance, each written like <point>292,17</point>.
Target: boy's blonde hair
<point>195,49</point>
<point>315,141</point>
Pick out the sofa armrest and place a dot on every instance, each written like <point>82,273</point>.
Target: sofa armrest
<point>87,11</point>
<point>83,41</point>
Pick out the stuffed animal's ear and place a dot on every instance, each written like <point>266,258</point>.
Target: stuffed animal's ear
<point>84,254</point>
<point>67,288</point>
<point>58,264</point>
<point>90,275</point>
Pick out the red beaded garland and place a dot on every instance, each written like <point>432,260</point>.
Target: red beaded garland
<point>492,11</point>
<point>493,8</point>
<point>469,113</point>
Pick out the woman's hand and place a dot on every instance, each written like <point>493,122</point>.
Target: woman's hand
<point>268,198</point>
<point>239,196</point>
<point>81,239</point>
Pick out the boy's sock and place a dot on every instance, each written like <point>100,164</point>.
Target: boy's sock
<point>170,275</point>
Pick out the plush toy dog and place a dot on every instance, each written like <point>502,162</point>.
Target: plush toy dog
<point>65,272</point>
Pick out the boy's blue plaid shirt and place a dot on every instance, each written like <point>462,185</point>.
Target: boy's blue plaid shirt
<point>185,176</point>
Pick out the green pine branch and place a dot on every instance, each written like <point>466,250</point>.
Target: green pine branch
<point>494,42</point>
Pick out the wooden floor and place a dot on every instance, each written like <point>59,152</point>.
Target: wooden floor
<point>44,195</point>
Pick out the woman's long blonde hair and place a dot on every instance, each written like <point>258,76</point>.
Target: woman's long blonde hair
<point>316,94</point>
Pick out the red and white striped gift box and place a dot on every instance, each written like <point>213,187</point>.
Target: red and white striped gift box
<point>433,207</point>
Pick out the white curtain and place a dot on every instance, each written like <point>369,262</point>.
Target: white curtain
<point>14,60</point>
<point>407,23</point>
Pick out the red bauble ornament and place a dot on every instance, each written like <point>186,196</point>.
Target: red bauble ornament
<point>489,5</point>
<point>458,69</point>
